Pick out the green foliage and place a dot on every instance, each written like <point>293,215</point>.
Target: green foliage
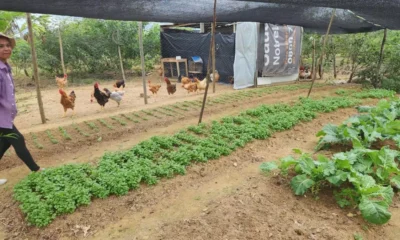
<point>391,84</point>
<point>364,177</point>
<point>87,44</point>
<point>45,195</point>
<point>363,130</point>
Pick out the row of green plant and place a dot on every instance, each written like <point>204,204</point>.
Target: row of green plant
<point>364,177</point>
<point>44,196</point>
<point>169,110</point>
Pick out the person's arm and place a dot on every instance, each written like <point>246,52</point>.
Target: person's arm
<point>4,102</point>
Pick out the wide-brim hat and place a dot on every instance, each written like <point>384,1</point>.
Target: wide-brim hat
<point>12,40</point>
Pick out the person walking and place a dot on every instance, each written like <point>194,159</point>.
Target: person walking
<point>9,134</point>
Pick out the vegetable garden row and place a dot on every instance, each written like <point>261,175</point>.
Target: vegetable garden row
<point>45,195</point>
<point>91,128</point>
<point>365,176</point>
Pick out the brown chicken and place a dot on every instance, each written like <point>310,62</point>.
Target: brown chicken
<point>190,87</point>
<point>119,85</point>
<point>171,88</point>
<point>62,82</point>
<point>67,101</point>
<point>153,88</point>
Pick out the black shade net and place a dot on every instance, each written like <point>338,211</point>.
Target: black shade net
<point>351,16</point>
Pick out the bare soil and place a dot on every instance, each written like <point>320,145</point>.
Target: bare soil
<point>223,199</point>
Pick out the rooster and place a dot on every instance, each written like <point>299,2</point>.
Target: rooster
<point>67,101</point>
<point>116,95</point>
<point>171,88</point>
<point>62,82</point>
<point>100,96</point>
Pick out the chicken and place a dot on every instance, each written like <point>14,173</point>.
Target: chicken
<point>171,88</point>
<point>190,87</point>
<point>119,85</point>
<point>116,95</point>
<point>62,82</point>
<point>67,101</point>
<point>231,79</point>
<point>160,72</point>
<point>216,76</point>
<point>304,73</point>
<point>154,88</point>
<point>201,85</point>
<point>100,96</point>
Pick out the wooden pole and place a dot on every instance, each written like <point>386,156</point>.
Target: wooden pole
<point>61,51</point>
<point>142,61</point>
<point>35,68</point>
<point>209,63</point>
<point>213,54</point>
<point>323,50</point>
<point>120,57</point>
<point>313,68</point>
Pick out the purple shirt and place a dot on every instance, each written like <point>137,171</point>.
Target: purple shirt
<point>8,108</point>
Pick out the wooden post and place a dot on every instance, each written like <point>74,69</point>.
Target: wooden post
<point>61,51</point>
<point>142,61</point>
<point>313,61</point>
<point>117,41</point>
<point>213,54</point>
<point>120,62</point>
<point>323,50</point>
<point>35,68</point>
<point>209,63</point>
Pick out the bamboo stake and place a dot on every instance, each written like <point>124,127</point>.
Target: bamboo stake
<point>323,50</point>
<point>213,54</point>
<point>142,61</point>
<point>209,63</point>
<point>120,57</point>
<point>61,51</point>
<point>35,68</point>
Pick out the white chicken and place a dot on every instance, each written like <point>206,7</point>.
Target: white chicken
<point>216,76</point>
<point>116,95</point>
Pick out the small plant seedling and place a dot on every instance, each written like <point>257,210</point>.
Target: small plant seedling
<point>76,127</point>
<point>104,123</point>
<point>36,142</point>
<point>92,125</point>
<point>52,139</point>
<point>119,120</point>
<point>64,133</point>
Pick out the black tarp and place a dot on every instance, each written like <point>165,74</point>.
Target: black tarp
<point>187,45</point>
<point>311,14</point>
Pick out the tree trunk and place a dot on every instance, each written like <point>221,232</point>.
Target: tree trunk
<point>351,77</point>
<point>35,68</point>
